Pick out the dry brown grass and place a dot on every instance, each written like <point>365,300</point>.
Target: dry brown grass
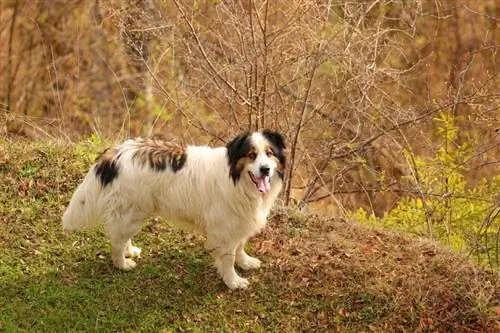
<point>385,281</point>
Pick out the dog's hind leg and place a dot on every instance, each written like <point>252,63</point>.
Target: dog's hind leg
<point>243,260</point>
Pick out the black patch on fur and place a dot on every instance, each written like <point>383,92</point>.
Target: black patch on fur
<point>178,163</point>
<point>159,163</point>
<point>106,168</point>
<point>278,145</point>
<point>237,149</point>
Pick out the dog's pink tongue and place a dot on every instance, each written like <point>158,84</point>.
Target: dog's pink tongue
<point>263,184</point>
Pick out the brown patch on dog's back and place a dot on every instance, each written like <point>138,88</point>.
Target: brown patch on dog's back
<point>159,154</point>
<point>106,166</point>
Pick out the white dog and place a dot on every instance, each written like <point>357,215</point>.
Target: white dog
<point>225,192</point>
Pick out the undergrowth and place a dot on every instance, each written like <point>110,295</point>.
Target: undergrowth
<point>442,205</point>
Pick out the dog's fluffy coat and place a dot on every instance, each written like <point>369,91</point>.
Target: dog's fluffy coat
<point>225,192</point>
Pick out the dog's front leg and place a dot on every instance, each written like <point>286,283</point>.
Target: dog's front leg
<point>227,271</point>
<point>244,261</point>
<point>224,256</point>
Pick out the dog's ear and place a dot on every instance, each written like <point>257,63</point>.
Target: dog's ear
<point>236,149</point>
<point>275,138</point>
<point>279,145</point>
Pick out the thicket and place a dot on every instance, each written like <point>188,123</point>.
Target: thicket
<point>355,86</point>
<point>442,205</point>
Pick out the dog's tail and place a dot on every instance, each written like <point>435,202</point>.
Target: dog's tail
<point>83,210</point>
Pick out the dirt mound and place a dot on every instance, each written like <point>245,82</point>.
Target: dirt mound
<point>364,277</point>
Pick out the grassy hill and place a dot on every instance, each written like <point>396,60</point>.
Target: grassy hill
<point>319,274</point>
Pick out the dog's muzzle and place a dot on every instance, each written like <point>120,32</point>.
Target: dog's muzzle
<point>263,183</point>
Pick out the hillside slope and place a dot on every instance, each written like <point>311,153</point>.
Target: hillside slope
<point>319,274</point>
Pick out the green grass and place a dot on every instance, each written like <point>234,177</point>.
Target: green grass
<point>319,274</point>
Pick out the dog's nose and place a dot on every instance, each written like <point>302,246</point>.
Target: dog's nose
<point>264,170</point>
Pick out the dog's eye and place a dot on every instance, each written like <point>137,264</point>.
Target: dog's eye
<point>269,153</point>
<point>252,155</point>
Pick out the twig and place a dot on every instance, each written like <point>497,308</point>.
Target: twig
<point>10,78</point>
<point>205,56</point>
<point>288,187</point>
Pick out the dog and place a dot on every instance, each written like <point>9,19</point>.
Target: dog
<point>224,192</point>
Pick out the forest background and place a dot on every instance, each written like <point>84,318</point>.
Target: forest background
<point>390,108</point>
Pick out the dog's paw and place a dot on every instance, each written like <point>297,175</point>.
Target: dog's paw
<point>249,263</point>
<point>237,282</point>
<point>134,251</point>
<point>126,265</point>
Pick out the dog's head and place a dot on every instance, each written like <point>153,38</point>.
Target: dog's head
<point>257,157</point>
